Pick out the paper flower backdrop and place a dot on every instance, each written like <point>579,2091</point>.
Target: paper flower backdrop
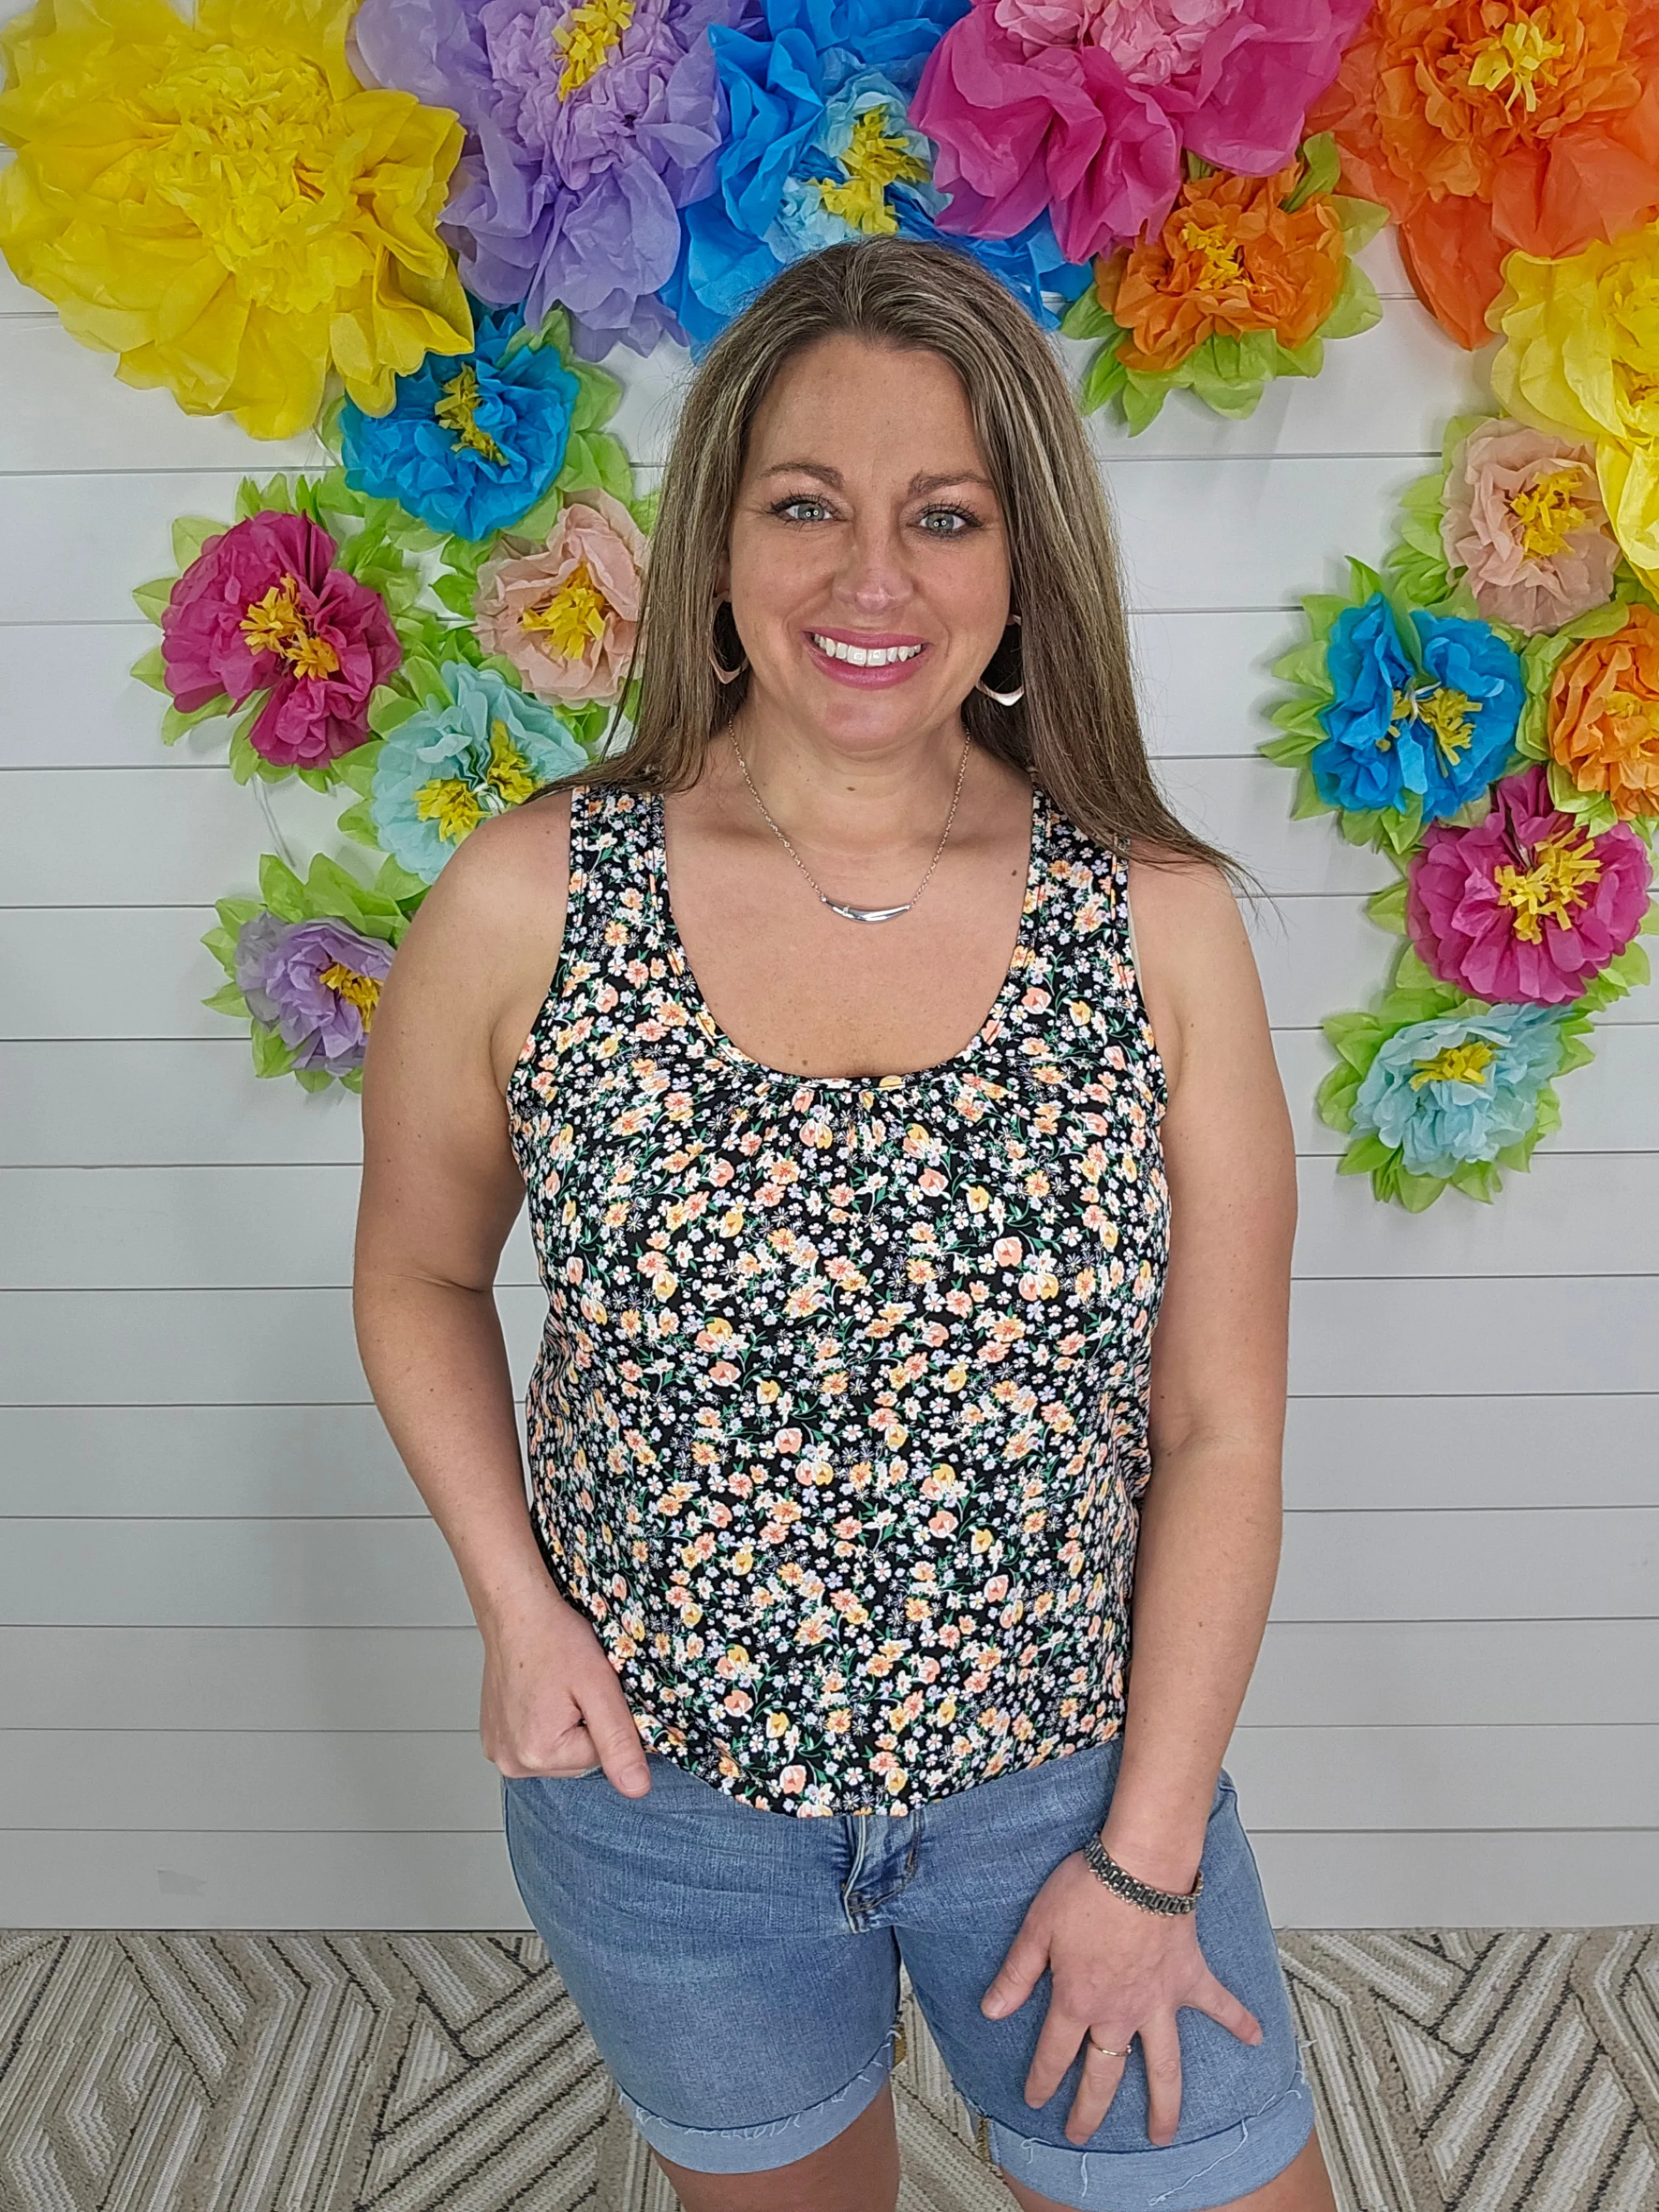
<point>1484,714</point>
<point>415,225</point>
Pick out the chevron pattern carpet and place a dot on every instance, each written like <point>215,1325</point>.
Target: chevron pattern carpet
<point>1487,2072</point>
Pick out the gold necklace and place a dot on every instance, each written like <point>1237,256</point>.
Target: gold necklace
<point>860,913</point>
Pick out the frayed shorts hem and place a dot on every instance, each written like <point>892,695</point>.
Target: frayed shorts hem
<point>1193,2177</point>
<point>774,2143</point>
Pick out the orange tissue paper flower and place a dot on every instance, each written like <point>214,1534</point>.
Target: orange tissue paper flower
<point>1604,715</point>
<point>1485,126</point>
<point>1230,258</point>
<point>224,206</point>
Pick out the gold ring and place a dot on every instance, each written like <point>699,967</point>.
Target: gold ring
<point>1106,2053</point>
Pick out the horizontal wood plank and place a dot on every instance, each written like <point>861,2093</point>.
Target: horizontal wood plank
<point>1533,1878</point>
<point>87,1879</point>
<point>1310,1675</point>
<point>1370,1454</point>
<point>1425,1336</point>
<point>301,1781</point>
<point>1573,1564</point>
<point>255,1228</point>
<point>84,1878</point>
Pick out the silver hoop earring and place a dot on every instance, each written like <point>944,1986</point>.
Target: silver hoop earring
<point>722,674</point>
<point>1003,698</point>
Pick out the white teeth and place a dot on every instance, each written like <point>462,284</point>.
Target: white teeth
<point>860,656</point>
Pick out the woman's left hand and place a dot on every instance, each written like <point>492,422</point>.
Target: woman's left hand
<point>1116,1972</point>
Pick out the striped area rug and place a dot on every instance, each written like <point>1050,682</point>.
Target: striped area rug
<point>1484,2071</point>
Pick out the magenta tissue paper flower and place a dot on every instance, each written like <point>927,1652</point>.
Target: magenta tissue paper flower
<point>1526,906</point>
<point>588,128</point>
<point>262,606</point>
<point>1084,107</point>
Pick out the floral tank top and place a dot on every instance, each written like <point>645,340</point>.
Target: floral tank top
<point>840,1418</point>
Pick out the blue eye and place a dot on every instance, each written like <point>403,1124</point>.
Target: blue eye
<point>956,520</point>
<point>786,510</point>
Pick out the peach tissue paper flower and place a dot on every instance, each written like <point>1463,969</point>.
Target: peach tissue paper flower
<point>566,615</point>
<point>1523,518</point>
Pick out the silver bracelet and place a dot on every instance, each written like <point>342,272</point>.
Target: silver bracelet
<point>1126,1885</point>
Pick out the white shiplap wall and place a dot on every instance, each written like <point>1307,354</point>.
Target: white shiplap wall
<point>238,1681</point>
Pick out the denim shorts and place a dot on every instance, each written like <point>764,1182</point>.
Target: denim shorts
<point>740,1972</point>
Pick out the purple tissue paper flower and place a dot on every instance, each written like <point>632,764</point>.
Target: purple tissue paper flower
<point>316,983</point>
<point>590,125</point>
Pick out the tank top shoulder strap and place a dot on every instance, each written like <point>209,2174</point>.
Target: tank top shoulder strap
<point>1083,935</point>
<point>612,845</point>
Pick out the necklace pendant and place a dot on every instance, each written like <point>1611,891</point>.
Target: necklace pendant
<point>868,913</point>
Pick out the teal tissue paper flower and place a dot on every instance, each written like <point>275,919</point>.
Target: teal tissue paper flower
<point>450,764</point>
<point>1461,1088</point>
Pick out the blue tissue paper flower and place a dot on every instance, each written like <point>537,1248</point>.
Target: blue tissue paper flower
<point>1461,1087</point>
<point>487,747</point>
<point>1443,730</point>
<point>819,150</point>
<point>472,441</point>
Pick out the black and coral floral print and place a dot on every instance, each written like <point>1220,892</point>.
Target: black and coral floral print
<point>840,1416</point>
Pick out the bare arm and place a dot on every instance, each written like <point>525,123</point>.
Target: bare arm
<point>1209,1533</point>
<point>441,1191</point>
<point>1210,1523</point>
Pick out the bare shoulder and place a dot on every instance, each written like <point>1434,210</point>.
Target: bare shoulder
<point>1198,974</point>
<point>482,950</point>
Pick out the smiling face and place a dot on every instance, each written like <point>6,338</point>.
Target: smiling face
<point>868,566</point>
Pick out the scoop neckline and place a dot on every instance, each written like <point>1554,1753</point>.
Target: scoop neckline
<point>680,965</point>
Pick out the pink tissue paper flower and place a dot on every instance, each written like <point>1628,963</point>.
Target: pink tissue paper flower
<point>1527,905</point>
<point>1084,107</point>
<point>567,614</point>
<point>1524,517</point>
<point>262,606</point>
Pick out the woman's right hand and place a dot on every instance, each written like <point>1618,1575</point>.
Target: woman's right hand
<point>552,1704</point>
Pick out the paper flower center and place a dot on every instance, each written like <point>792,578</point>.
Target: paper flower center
<point>244,145</point>
<point>362,992</point>
<point>574,618</point>
<point>1219,257</point>
<point>457,409</point>
<point>458,803</point>
<point>1636,718</point>
<point>1554,887</point>
<point>1457,1063</point>
<point>1547,514</point>
<point>275,624</point>
<point>1513,61</point>
<point>1447,715</point>
<point>587,38</point>
<point>874,159</point>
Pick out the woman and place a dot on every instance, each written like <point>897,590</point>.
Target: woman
<point>813,1024</point>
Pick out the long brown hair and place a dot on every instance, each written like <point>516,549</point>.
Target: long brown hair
<point>1077,731</point>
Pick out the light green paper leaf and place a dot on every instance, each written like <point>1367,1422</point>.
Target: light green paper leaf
<point>190,533</point>
<point>1357,306</point>
<point>1322,165</point>
<point>1103,380</point>
<point>282,890</point>
<point>149,668</point>
<point>227,1000</point>
<point>151,598</point>
<point>1086,318</point>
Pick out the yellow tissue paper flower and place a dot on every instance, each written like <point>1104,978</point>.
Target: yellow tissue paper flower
<point>224,206</point>
<point>1582,355</point>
